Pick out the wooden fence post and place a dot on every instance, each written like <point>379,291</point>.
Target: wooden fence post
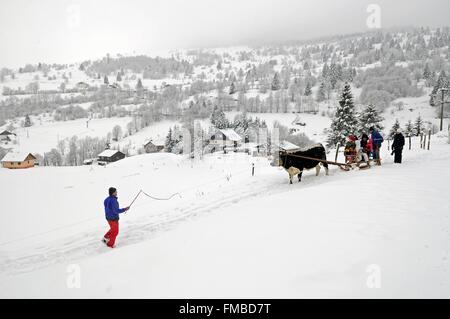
<point>421,139</point>
<point>389,144</point>
<point>337,152</point>
<point>409,142</point>
<point>424,141</point>
<point>429,139</point>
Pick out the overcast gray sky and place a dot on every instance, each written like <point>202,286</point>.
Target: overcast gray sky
<point>53,31</point>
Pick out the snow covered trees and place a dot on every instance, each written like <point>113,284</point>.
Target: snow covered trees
<point>442,82</point>
<point>321,93</point>
<point>394,129</point>
<point>218,118</point>
<point>409,129</point>
<point>276,84</point>
<point>174,141</point>
<point>369,117</point>
<point>27,122</point>
<point>170,142</point>
<point>344,122</point>
<point>116,133</point>
<point>418,126</point>
<point>308,89</point>
<point>232,88</point>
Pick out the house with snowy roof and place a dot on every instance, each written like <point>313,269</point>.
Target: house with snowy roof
<point>15,160</point>
<point>110,156</point>
<point>154,146</point>
<point>6,136</point>
<point>223,139</point>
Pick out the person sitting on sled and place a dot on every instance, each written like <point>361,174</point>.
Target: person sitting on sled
<point>365,148</point>
<point>112,212</point>
<point>351,149</point>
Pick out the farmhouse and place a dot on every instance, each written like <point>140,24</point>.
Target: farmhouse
<point>225,138</point>
<point>110,156</point>
<point>6,136</point>
<point>154,146</point>
<point>18,160</point>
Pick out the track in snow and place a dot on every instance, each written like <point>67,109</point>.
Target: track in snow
<point>88,243</point>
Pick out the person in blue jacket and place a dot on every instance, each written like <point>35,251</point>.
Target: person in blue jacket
<point>377,140</point>
<point>112,212</point>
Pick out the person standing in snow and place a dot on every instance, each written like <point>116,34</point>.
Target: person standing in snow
<point>377,140</point>
<point>397,146</point>
<point>112,212</point>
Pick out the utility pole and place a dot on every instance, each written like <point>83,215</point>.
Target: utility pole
<point>443,91</point>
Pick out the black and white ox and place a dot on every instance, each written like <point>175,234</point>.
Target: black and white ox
<point>295,162</point>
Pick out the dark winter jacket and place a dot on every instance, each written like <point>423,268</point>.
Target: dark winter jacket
<point>399,141</point>
<point>377,139</point>
<point>364,141</point>
<point>112,209</point>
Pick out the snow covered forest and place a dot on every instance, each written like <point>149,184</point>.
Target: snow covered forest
<point>231,217</point>
<point>384,69</point>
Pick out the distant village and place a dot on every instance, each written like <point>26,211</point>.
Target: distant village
<point>221,140</point>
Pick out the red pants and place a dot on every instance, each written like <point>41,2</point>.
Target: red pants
<point>112,232</point>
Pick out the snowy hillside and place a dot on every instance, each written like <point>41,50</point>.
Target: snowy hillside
<point>228,224</point>
<point>230,234</point>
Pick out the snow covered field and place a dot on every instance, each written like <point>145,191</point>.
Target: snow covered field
<point>230,235</point>
<point>42,137</point>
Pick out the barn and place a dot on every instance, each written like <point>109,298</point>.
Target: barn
<point>110,156</point>
<point>18,160</point>
<point>154,146</point>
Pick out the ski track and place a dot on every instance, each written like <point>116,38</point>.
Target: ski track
<point>88,243</point>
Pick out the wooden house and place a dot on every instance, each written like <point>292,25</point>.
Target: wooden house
<point>110,156</point>
<point>6,136</point>
<point>225,138</point>
<point>18,160</point>
<point>154,146</point>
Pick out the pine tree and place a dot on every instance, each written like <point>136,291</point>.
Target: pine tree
<point>218,118</point>
<point>119,77</point>
<point>409,129</point>
<point>308,90</point>
<point>369,117</point>
<point>139,85</point>
<point>321,93</point>
<point>325,71</point>
<point>27,121</point>
<point>344,122</point>
<point>418,126</point>
<point>442,82</point>
<point>276,85</point>
<point>394,129</point>
<point>105,80</point>
<point>232,88</point>
<point>169,142</point>
<point>427,72</point>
